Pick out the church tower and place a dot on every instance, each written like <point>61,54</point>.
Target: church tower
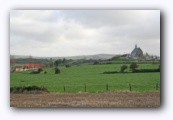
<point>135,46</point>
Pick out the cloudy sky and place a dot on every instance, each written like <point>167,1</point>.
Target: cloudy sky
<point>48,33</point>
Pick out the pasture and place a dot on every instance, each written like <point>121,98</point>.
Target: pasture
<point>75,78</point>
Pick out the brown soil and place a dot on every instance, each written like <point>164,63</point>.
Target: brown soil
<point>116,99</point>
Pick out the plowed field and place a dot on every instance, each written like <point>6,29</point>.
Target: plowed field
<point>115,99</point>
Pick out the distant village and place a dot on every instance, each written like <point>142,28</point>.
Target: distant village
<point>136,54</point>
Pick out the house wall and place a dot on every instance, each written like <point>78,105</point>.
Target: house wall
<point>139,53</point>
<point>19,69</point>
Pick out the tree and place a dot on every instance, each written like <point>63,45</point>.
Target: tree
<point>123,68</point>
<point>159,68</point>
<point>96,63</point>
<point>30,59</point>
<point>56,63</point>
<point>12,60</point>
<point>133,66</point>
<point>67,66</point>
<point>12,63</point>
<point>37,72</point>
<point>57,70</point>
<point>50,63</point>
<point>60,61</point>
<point>64,61</point>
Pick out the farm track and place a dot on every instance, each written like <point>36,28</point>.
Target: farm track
<point>113,99</point>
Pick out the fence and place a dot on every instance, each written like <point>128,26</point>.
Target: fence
<point>108,88</point>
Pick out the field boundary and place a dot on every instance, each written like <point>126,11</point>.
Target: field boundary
<point>109,88</point>
<point>94,88</point>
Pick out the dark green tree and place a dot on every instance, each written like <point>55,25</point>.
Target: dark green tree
<point>56,63</point>
<point>123,68</point>
<point>57,70</point>
<point>12,63</point>
<point>50,63</point>
<point>60,61</point>
<point>30,59</point>
<point>133,66</point>
<point>64,61</point>
<point>159,68</point>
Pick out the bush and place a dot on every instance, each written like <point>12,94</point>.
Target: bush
<point>146,70</point>
<point>133,66</point>
<point>110,72</point>
<point>28,89</point>
<point>37,72</point>
<point>96,63</point>
<point>40,69</point>
<point>67,66</point>
<point>57,71</point>
<point>123,67</point>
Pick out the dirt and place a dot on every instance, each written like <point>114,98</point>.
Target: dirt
<point>116,99</point>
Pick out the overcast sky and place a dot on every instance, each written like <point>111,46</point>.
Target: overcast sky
<point>49,33</point>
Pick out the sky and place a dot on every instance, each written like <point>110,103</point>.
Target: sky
<point>60,33</point>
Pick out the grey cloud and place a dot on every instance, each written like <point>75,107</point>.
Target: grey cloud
<point>83,31</point>
<point>95,18</point>
<point>124,22</point>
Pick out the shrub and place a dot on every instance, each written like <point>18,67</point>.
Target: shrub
<point>28,89</point>
<point>37,72</point>
<point>123,67</point>
<point>110,72</point>
<point>146,70</point>
<point>34,72</point>
<point>96,63</point>
<point>40,69</point>
<point>133,66</point>
<point>57,71</point>
<point>67,66</point>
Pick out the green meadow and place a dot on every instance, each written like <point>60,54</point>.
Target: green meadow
<point>75,78</point>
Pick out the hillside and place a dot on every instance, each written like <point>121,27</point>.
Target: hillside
<point>86,57</point>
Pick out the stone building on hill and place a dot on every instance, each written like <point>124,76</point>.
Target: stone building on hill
<point>137,53</point>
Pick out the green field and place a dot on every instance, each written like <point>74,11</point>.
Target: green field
<point>74,79</point>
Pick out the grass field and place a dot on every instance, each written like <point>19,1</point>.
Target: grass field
<point>75,77</point>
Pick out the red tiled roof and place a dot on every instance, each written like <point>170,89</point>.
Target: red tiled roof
<point>32,65</point>
<point>18,66</point>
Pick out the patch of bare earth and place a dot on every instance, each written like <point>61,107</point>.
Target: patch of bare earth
<point>113,99</point>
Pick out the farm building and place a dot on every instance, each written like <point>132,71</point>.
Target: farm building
<point>32,66</point>
<point>26,67</point>
<point>18,68</point>
<point>136,53</point>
